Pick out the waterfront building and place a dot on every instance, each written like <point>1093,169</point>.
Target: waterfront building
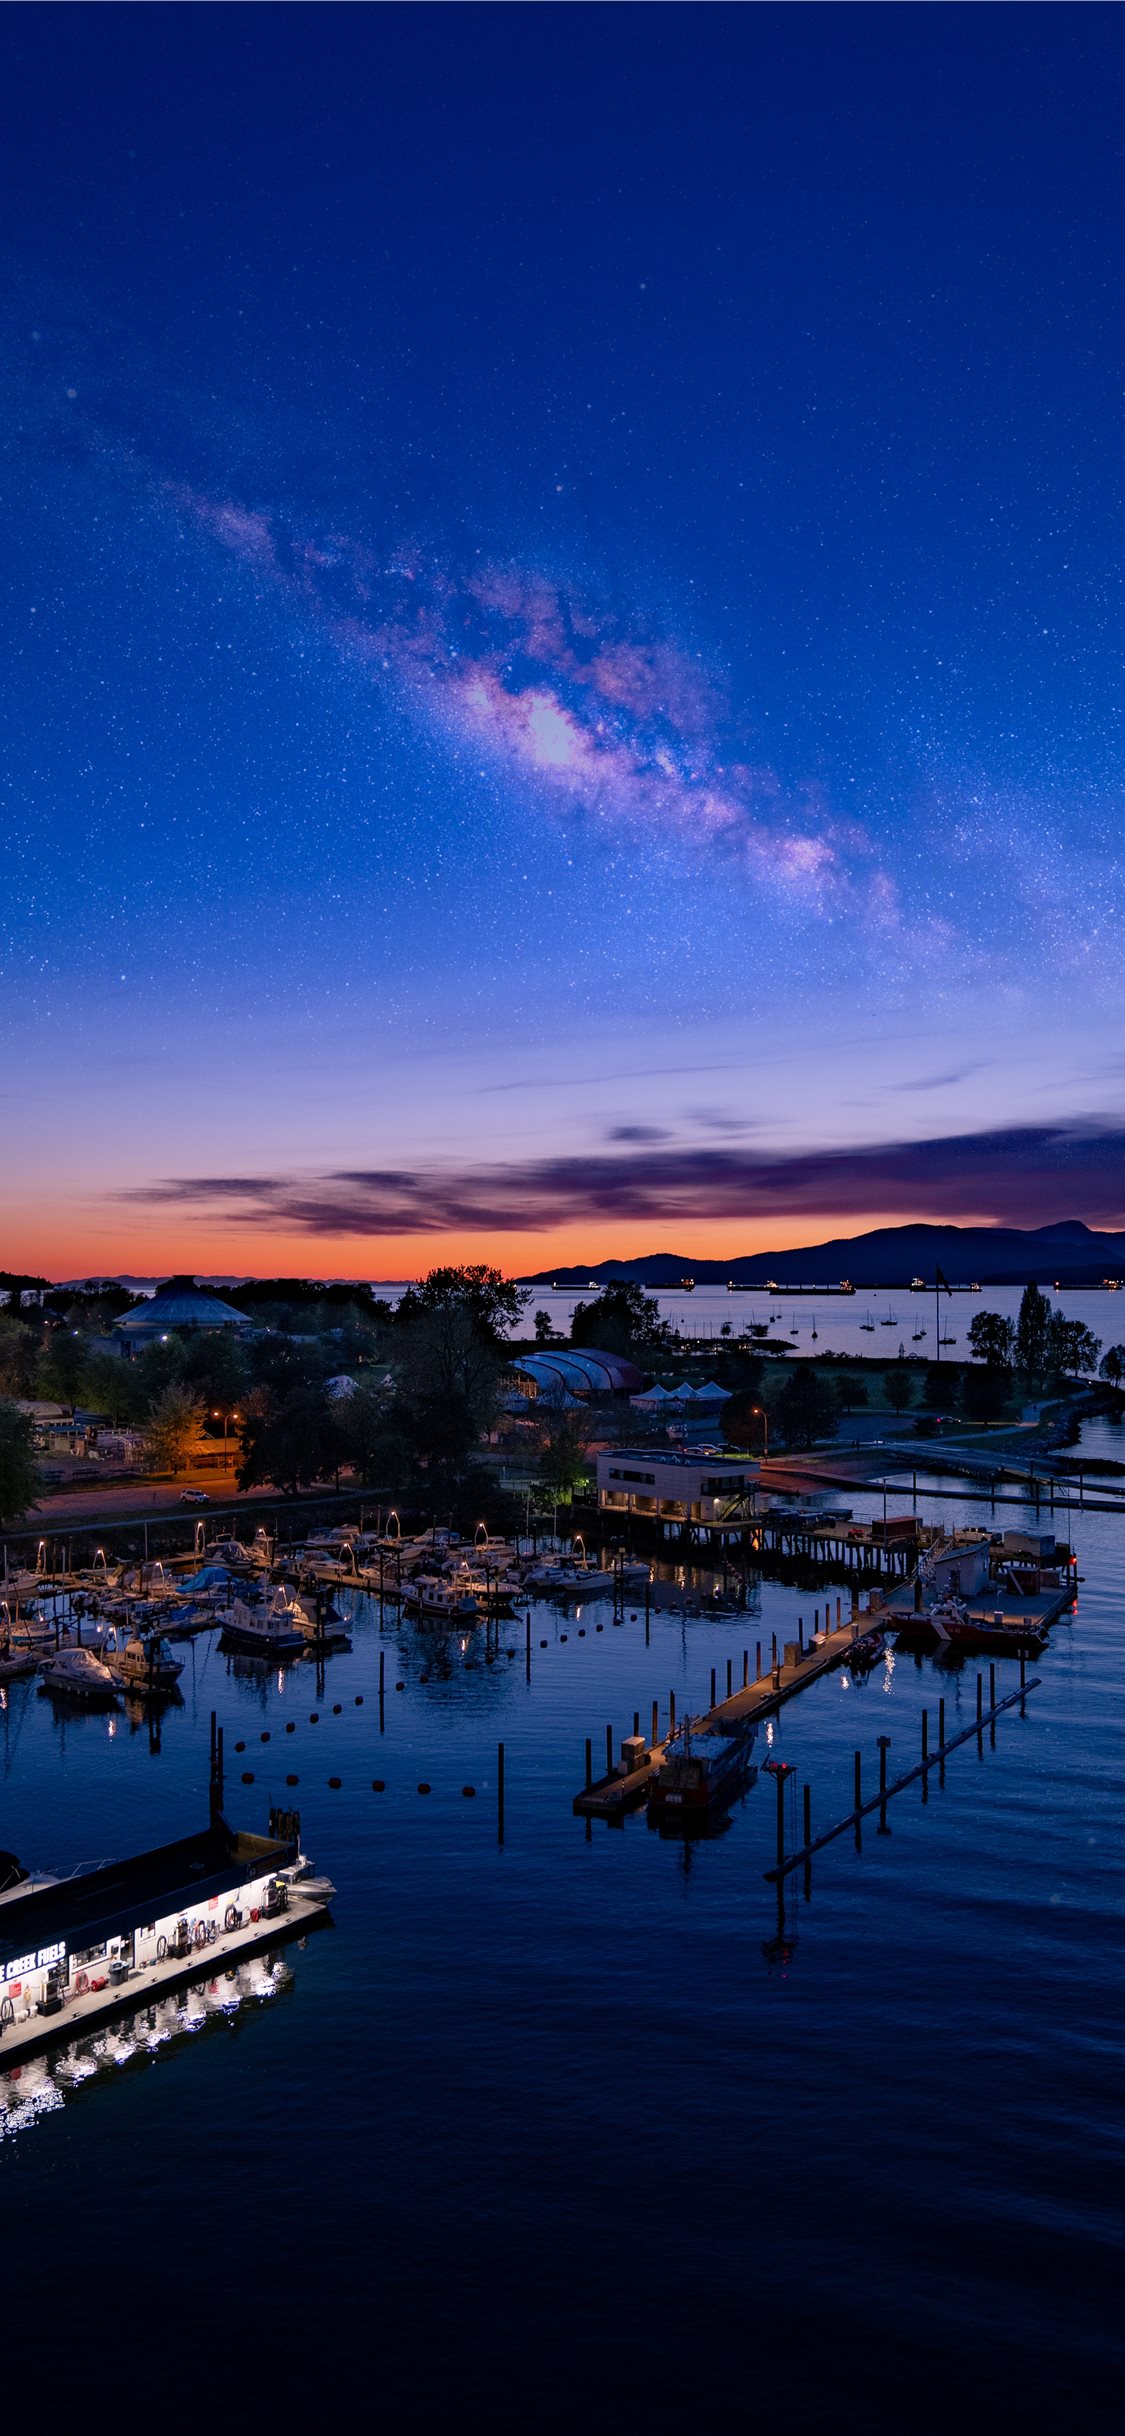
<point>666,1484</point>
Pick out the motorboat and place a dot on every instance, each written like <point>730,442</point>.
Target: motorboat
<point>77,1674</point>
<point>430,1594</point>
<point>144,1665</point>
<point>565,1577</point>
<point>635,1572</point>
<point>494,1591</point>
<point>16,1659</point>
<point>490,1551</point>
<point>277,1630</point>
<point>703,1770</point>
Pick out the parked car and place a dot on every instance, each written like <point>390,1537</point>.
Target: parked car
<point>194,1497</point>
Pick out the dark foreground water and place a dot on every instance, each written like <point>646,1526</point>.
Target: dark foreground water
<point>557,2132</point>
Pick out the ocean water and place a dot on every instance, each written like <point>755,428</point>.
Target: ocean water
<point>572,2128</point>
<point>830,1323</point>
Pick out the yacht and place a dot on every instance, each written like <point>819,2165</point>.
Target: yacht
<point>146,1665</point>
<point>277,1630</point>
<point>431,1595</point>
<point>566,1577</point>
<point>78,1675</point>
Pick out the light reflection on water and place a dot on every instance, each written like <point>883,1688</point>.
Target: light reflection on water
<point>523,2057</point>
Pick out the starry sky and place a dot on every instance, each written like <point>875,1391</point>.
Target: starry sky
<point>563,604</point>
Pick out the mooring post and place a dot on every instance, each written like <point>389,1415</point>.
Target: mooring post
<point>589,1763</point>
<point>671,1712</point>
<point>757,1662</point>
<point>609,1750</point>
<point>980,1703</point>
<point>992,1703</point>
<point>712,1687</point>
<point>745,1668</point>
<point>655,1723</point>
<point>884,1742</point>
<point>808,1815</point>
<point>781,1776</point>
<point>382,1673</point>
<point>730,1679</point>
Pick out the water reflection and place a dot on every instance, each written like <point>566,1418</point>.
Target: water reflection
<point>30,2091</point>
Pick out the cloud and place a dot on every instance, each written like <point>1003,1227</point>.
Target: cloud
<point>1023,1176</point>
<point>637,1133</point>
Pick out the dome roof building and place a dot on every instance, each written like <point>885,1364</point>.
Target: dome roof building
<point>178,1308</point>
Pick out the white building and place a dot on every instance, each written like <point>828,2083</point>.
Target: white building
<point>665,1484</point>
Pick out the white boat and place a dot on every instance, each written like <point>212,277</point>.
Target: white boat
<point>562,1577</point>
<point>431,1595</point>
<point>77,1674</point>
<point>147,1666</point>
<point>278,1630</point>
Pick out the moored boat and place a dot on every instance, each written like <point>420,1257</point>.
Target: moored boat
<point>703,1770</point>
<point>76,1674</point>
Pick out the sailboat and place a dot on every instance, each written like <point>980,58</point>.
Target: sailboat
<point>947,1340</point>
<point>917,1337</point>
<point>868,1325</point>
<point>891,1320</point>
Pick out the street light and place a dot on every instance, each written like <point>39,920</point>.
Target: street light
<point>218,1415</point>
<point>760,1414</point>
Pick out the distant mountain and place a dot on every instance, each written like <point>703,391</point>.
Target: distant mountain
<point>1074,1254</point>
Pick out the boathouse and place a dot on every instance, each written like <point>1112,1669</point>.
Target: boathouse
<point>665,1484</point>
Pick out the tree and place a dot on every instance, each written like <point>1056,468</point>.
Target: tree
<point>898,1388</point>
<point>744,1421</point>
<point>1070,1350</point>
<point>544,1328</point>
<point>851,1392</point>
<point>172,1429</point>
<point>112,1386</point>
<point>19,1472</point>
<point>62,1366</point>
<point>992,1340</point>
<point>986,1392</point>
<point>624,1320</point>
<point>18,1349</point>
<point>941,1387</point>
<point>491,1302</point>
<point>564,1432</point>
<point>1031,1332</point>
<point>289,1438</point>
<point>1112,1365</point>
<point>806,1409</point>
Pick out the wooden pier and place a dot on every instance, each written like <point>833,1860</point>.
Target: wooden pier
<point>610,1796</point>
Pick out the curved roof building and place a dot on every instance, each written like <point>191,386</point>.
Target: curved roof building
<point>177,1307</point>
<point>579,1371</point>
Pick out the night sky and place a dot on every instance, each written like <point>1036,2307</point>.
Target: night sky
<point>563,607</point>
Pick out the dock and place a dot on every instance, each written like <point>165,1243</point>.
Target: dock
<point>20,2040</point>
<point>802,1663</point>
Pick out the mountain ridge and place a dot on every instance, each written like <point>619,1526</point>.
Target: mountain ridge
<point>883,1256</point>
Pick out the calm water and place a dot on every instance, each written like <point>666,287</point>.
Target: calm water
<point>839,1320</point>
<point>549,2130</point>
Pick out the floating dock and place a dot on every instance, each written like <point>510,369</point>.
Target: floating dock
<point>77,1950</point>
<point>621,1790</point>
